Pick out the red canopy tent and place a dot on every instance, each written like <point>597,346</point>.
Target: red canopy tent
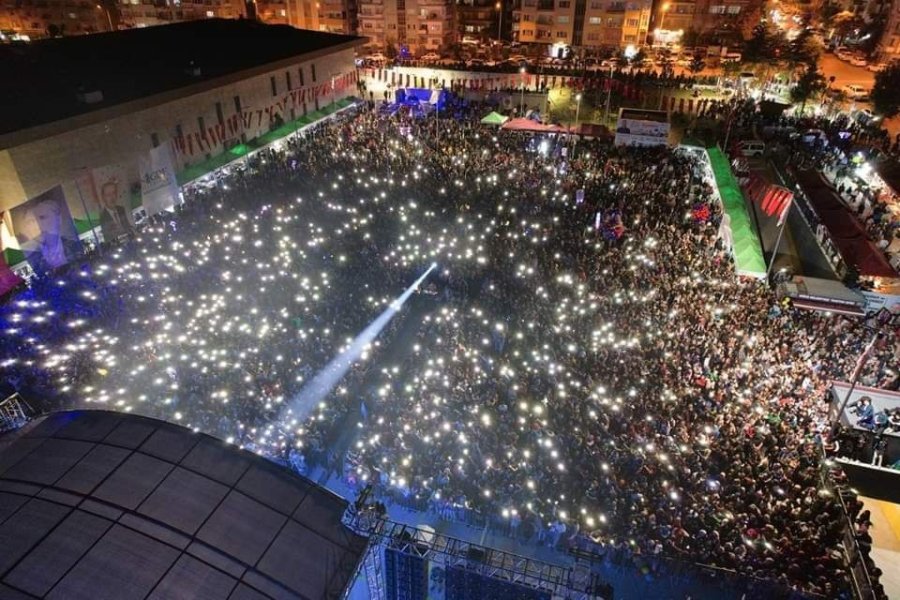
<point>521,124</point>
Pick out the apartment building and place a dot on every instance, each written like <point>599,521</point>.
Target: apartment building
<point>582,23</point>
<point>889,47</point>
<point>147,13</point>
<point>480,19</point>
<point>413,26</point>
<point>672,18</point>
<point>36,18</point>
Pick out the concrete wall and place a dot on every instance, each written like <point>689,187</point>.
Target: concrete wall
<point>28,168</point>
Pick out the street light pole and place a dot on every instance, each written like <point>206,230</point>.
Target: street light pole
<point>500,22</point>
<point>608,93</point>
<point>577,110</point>
<point>108,17</point>
<point>662,19</point>
<point>522,97</point>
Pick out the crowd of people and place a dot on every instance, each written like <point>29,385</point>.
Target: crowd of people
<point>583,362</point>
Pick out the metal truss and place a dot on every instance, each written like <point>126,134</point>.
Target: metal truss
<point>561,582</point>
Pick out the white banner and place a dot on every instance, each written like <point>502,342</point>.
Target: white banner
<point>159,188</point>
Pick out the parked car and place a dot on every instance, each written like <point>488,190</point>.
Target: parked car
<point>474,63</point>
<point>876,67</point>
<point>376,57</point>
<point>864,116</point>
<point>844,55</point>
<point>431,57</point>
<point>732,57</point>
<point>750,148</point>
<point>855,92</point>
<point>859,61</point>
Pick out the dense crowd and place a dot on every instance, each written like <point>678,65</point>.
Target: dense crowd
<point>584,361</point>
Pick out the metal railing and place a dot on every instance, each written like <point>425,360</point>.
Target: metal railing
<point>861,579</point>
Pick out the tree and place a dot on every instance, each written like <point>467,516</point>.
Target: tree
<point>886,91</point>
<point>804,49</point>
<point>696,65</point>
<point>810,84</point>
<point>762,46</point>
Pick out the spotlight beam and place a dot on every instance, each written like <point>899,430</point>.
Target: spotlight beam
<point>327,379</point>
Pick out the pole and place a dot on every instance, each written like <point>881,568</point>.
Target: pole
<point>778,239</point>
<point>522,97</point>
<point>87,214</point>
<point>500,22</point>
<point>608,94</point>
<point>577,109</point>
<point>859,367</point>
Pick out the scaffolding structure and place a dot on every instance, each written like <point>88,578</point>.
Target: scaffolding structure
<point>560,582</point>
<point>14,412</point>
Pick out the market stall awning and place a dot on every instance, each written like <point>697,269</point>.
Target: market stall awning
<point>748,256</point>
<point>848,233</point>
<point>494,118</point>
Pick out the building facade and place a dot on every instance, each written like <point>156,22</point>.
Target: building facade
<point>196,120</point>
<point>147,13</point>
<point>39,18</point>
<point>889,47</point>
<point>408,26</point>
<point>673,18</point>
<point>479,20</point>
<point>582,23</point>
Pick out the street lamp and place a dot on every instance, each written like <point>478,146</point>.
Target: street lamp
<point>108,17</point>
<point>522,98</point>
<point>499,7</point>
<point>577,110</point>
<point>665,8</point>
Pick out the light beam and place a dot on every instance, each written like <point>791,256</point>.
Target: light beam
<point>327,379</point>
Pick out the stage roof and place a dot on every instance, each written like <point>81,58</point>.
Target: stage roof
<point>845,229</point>
<point>101,505</point>
<point>41,79</point>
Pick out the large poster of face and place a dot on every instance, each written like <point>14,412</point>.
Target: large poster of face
<point>45,231</point>
<point>105,191</point>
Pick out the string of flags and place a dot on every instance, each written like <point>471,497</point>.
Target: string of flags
<point>213,138</point>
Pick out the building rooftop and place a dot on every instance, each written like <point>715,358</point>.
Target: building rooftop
<point>106,505</point>
<point>42,80</point>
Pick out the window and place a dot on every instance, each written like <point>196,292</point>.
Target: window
<point>201,125</point>
<point>154,139</point>
<point>717,9</point>
<point>219,115</point>
<point>283,12</point>
<point>312,70</point>
<point>210,14</point>
<point>593,37</point>
<point>596,5</point>
<point>562,20</point>
<point>178,130</point>
<point>561,34</point>
<point>274,85</point>
<point>632,22</point>
<point>630,39</point>
<point>237,104</point>
<point>595,20</point>
<point>564,4</point>
<point>300,72</point>
<point>734,9</point>
<point>287,79</point>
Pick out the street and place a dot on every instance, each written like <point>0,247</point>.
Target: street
<point>845,73</point>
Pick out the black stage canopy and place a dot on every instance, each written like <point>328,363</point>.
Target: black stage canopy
<point>102,505</point>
